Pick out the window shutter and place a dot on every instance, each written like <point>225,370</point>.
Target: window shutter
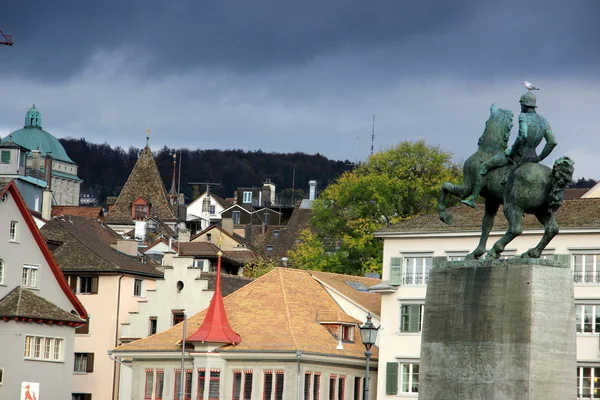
<point>95,285</point>
<point>90,362</point>
<point>437,260</point>
<point>391,378</point>
<point>396,271</point>
<point>87,396</point>
<point>414,317</point>
<point>73,283</point>
<point>563,258</point>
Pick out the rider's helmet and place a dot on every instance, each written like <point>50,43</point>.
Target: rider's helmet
<point>528,99</point>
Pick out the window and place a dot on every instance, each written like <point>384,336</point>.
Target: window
<point>585,268</point>
<point>269,248</point>
<point>88,285</point>
<point>149,384</point>
<point>211,209</point>
<point>588,382</point>
<point>316,385</point>
<point>14,231</point>
<point>587,318</point>
<point>84,329</point>
<point>242,378</point>
<point>84,362</point>
<point>137,287</point>
<point>332,380</point>
<point>416,270</point>
<point>356,388</point>
<point>81,396</point>
<point>153,324</point>
<point>307,383</point>
<point>347,333</point>
<point>36,204</point>
<point>205,204</point>
<point>30,276</point>
<point>409,378</point>
<point>268,386</point>
<point>35,348</point>
<point>1,271</point>
<point>341,387</point>
<point>247,197</point>
<point>198,264</point>
<point>5,157</point>
<point>188,384</point>
<point>1,376</point>
<point>411,317</point>
<point>279,379</point>
<point>201,383</point>
<point>177,317</point>
<point>275,233</point>
<point>208,238</point>
<point>160,384</point>
<point>235,215</point>
<point>213,384</point>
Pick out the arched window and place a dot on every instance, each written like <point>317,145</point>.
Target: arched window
<point>1,271</point>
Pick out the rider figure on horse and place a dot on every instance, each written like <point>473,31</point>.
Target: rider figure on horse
<point>532,129</point>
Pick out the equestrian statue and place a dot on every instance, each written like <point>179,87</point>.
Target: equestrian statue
<point>512,177</point>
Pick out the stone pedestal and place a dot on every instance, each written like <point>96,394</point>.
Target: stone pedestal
<point>499,330</point>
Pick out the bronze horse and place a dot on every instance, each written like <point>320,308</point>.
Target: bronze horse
<point>530,188</point>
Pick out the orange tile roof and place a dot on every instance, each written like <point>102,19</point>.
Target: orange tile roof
<point>277,312</point>
<point>78,211</point>
<point>339,282</point>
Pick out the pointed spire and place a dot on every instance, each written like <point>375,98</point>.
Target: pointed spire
<point>173,191</point>
<point>215,328</point>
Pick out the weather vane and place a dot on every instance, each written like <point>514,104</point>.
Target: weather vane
<point>220,253</point>
<point>147,135</point>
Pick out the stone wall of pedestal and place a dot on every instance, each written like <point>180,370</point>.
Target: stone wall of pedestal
<point>499,330</point>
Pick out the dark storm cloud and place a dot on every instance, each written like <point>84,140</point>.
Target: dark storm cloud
<point>57,38</point>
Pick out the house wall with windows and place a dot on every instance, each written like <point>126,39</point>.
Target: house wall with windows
<point>407,260</point>
<point>276,377</point>
<point>36,350</point>
<point>112,293</point>
<point>205,209</point>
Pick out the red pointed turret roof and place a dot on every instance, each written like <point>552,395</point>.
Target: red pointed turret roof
<point>215,328</point>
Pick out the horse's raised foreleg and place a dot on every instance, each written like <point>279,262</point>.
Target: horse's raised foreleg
<point>491,209</point>
<point>461,191</point>
<point>550,230</point>
<point>514,216</point>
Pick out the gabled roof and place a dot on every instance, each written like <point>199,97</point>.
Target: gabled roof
<point>580,213</point>
<point>144,180</point>
<point>78,211</point>
<point>22,304</point>
<point>276,312</point>
<point>575,193</point>
<point>347,285</point>
<point>210,250</point>
<point>11,189</point>
<point>85,245</point>
<point>217,227</point>
<point>237,206</point>
<point>222,202</point>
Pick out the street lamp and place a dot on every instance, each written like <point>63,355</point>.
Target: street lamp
<point>368,335</point>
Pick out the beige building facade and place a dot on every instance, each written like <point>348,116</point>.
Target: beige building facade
<point>412,247</point>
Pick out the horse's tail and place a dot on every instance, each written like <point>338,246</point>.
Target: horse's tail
<point>562,173</point>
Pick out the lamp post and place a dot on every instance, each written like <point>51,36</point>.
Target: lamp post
<point>368,335</point>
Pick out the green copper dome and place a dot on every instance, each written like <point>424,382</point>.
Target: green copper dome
<point>33,137</point>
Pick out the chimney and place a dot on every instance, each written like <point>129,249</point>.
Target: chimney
<point>37,161</point>
<point>184,235</point>
<point>46,203</point>
<point>248,233</point>
<point>48,170</point>
<point>312,190</point>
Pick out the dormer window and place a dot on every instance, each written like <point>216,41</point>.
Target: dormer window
<point>347,333</point>
<point>140,208</point>
<point>247,197</point>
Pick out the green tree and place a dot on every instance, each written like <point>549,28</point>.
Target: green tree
<point>195,192</point>
<point>392,185</point>
<point>258,268</point>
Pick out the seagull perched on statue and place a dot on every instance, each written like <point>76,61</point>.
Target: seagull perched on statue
<point>529,86</point>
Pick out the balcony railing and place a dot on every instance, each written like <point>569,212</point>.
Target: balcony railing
<point>410,278</point>
<point>586,277</point>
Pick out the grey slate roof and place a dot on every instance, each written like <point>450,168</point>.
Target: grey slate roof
<point>82,244</point>
<point>23,303</point>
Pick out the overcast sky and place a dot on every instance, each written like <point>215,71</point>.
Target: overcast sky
<point>304,75</point>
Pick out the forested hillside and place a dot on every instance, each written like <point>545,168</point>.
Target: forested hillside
<point>105,169</point>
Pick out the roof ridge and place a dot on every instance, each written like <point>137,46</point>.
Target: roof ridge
<point>348,275</point>
<point>287,310</point>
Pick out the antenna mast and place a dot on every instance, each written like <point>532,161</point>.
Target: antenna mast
<point>208,185</point>
<point>5,39</point>
<point>373,135</point>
